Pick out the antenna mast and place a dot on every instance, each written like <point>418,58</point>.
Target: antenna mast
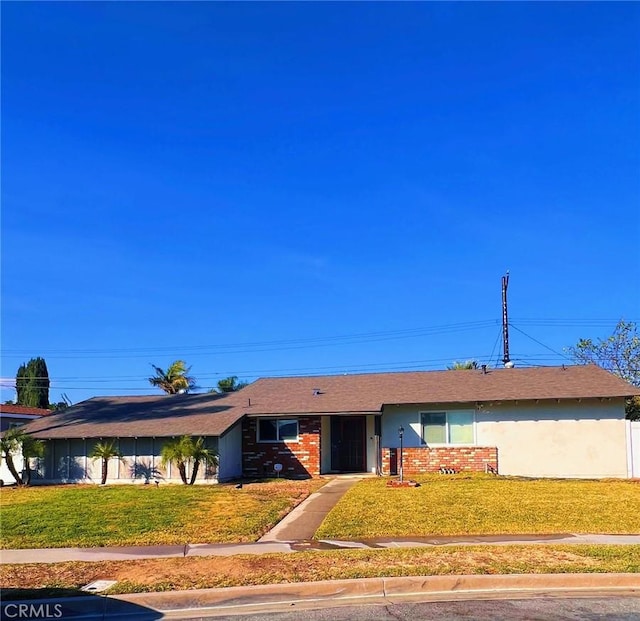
<point>505,321</point>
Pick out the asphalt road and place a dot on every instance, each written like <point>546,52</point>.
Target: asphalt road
<point>542,608</point>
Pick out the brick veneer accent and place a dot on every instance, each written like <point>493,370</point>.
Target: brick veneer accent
<point>423,459</point>
<point>297,458</point>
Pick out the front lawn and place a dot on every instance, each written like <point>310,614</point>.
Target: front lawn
<point>123,515</point>
<point>40,580</point>
<point>484,505</point>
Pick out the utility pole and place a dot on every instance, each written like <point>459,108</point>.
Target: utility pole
<point>505,321</point>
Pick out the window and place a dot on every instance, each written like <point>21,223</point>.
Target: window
<point>277,429</point>
<point>447,427</point>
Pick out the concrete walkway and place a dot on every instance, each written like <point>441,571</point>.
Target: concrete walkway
<point>59,555</point>
<point>302,523</point>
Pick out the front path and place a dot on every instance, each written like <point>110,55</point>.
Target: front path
<point>302,523</point>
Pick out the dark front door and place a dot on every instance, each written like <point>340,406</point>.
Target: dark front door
<point>348,445</point>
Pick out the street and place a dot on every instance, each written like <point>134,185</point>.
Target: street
<point>538,608</point>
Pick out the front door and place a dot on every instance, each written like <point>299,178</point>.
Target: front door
<point>348,443</point>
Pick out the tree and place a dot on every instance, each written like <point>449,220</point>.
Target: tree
<point>201,454</point>
<point>31,448</point>
<point>230,384</point>
<point>61,405</point>
<point>176,452</point>
<point>463,366</point>
<point>105,451</point>
<point>10,446</point>
<point>619,354</point>
<point>175,379</point>
<point>18,442</point>
<point>185,450</point>
<point>32,384</point>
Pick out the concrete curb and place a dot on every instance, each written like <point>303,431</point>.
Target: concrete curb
<point>380,588</point>
<point>308,595</point>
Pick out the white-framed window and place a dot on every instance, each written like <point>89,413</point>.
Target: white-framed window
<point>448,428</point>
<point>277,430</point>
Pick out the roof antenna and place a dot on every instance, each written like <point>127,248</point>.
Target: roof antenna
<point>505,324</point>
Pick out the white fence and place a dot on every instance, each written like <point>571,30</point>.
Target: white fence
<point>633,448</point>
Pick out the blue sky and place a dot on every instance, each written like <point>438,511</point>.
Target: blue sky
<point>277,189</point>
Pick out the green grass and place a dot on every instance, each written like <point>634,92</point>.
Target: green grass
<point>484,505</point>
<point>34,580</point>
<point>83,515</point>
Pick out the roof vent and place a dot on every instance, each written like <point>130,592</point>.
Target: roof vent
<point>316,392</point>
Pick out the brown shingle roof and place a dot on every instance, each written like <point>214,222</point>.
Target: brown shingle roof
<point>5,408</point>
<point>368,392</point>
<point>211,414</point>
<point>162,416</point>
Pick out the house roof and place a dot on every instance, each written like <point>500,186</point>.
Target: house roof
<point>211,414</point>
<point>9,409</point>
<point>158,415</point>
<point>369,392</point>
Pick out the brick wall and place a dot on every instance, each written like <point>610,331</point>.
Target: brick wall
<point>424,459</point>
<point>301,458</point>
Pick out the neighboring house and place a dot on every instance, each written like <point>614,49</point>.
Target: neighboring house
<point>550,422</point>
<point>16,416</point>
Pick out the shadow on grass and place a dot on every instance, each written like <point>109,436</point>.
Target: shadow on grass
<point>52,603</point>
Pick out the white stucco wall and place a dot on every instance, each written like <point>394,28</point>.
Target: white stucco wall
<point>566,439</point>
<point>371,444</point>
<point>408,417</point>
<point>5,475</point>
<point>633,443</point>
<point>586,439</point>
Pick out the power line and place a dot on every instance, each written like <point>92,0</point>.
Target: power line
<point>539,342</point>
<point>301,343</point>
<point>264,346</point>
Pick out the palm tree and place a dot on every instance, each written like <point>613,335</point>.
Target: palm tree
<point>201,454</point>
<point>10,445</point>
<point>175,379</point>
<point>463,366</point>
<point>229,384</point>
<point>184,450</point>
<point>177,451</point>
<point>105,451</point>
<point>31,448</point>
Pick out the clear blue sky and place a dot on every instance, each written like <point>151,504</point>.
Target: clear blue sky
<point>237,184</point>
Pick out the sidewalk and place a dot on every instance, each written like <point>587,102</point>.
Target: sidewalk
<point>58,555</point>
